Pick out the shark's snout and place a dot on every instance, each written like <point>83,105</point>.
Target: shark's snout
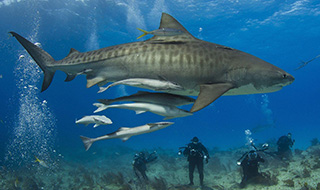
<point>288,78</point>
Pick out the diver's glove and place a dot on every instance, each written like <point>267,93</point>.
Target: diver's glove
<point>206,159</point>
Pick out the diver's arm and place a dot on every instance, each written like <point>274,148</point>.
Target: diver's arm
<point>153,156</point>
<point>204,149</point>
<point>186,151</point>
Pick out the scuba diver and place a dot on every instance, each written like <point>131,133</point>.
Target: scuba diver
<point>284,144</point>
<point>249,163</point>
<point>139,164</point>
<point>195,152</point>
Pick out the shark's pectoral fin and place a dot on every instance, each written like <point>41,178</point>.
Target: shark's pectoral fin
<point>96,125</point>
<point>169,117</point>
<point>124,139</point>
<point>209,93</point>
<point>140,111</point>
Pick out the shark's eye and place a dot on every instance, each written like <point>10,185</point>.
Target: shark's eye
<point>284,76</point>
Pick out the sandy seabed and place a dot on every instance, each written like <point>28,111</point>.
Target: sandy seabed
<point>112,170</point>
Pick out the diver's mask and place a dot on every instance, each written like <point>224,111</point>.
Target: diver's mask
<point>252,155</point>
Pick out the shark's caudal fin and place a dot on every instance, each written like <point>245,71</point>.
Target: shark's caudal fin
<point>100,107</point>
<point>41,57</point>
<point>87,142</point>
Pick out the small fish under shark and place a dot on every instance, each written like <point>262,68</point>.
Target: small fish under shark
<point>124,133</point>
<point>152,97</point>
<point>169,112</point>
<point>203,69</point>
<point>96,119</point>
<point>152,84</point>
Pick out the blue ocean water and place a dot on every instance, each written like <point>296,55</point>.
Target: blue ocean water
<point>33,123</point>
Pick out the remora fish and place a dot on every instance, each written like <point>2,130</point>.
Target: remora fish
<point>161,32</point>
<point>124,133</point>
<point>169,112</point>
<point>153,97</point>
<point>96,119</point>
<point>203,69</point>
<point>145,83</point>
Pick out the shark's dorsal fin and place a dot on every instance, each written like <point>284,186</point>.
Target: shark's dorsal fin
<point>167,21</point>
<point>73,51</point>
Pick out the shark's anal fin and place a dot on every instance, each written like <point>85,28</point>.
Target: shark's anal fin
<point>70,78</point>
<point>209,93</point>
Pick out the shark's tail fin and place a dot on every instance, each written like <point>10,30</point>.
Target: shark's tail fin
<point>87,142</point>
<point>37,159</point>
<point>144,33</point>
<point>41,57</point>
<point>100,107</point>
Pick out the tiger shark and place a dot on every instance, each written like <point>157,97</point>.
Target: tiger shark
<point>201,68</point>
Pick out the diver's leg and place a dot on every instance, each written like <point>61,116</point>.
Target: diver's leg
<point>191,170</point>
<point>144,175</point>
<point>244,178</point>
<point>136,172</point>
<point>200,170</point>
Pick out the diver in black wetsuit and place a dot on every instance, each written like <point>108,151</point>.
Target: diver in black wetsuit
<point>250,166</point>
<point>196,152</point>
<point>284,144</point>
<point>139,164</point>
